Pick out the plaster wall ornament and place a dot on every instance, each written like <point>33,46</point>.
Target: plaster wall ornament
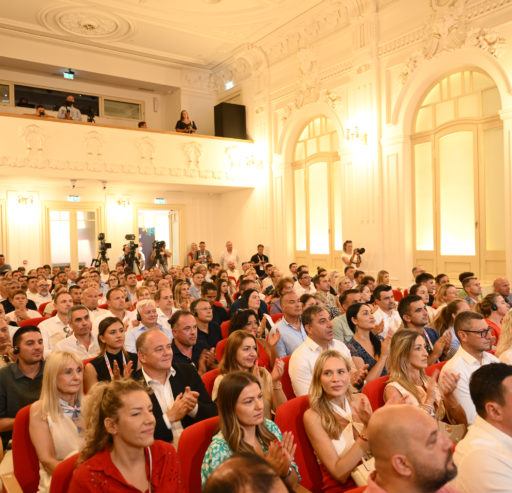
<point>146,148</point>
<point>34,142</point>
<point>449,29</point>
<point>233,162</point>
<point>94,149</point>
<point>193,152</point>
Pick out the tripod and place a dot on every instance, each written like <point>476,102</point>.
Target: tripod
<point>130,259</point>
<point>102,257</point>
<point>159,259</point>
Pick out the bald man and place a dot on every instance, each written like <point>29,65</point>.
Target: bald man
<point>501,286</point>
<point>411,454</point>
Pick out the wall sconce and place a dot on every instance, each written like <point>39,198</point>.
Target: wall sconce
<point>353,135</point>
<point>123,202</point>
<point>25,199</point>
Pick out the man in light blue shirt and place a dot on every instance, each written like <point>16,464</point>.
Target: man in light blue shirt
<point>290,327</point>
<point>340,326</point>
<point>148,320</point>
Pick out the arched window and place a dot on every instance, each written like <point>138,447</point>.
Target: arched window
<point>316,172</point>
<point>458,177</point>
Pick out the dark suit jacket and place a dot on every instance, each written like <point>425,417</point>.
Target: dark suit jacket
<point>186,376</point>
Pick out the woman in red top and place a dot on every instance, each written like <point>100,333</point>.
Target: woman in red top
<point>120,454</point>
<point>493,307</point>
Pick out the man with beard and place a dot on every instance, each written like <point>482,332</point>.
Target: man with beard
<point>484,455</point>
<point>411,454</point>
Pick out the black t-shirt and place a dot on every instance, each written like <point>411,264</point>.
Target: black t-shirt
<point>9,307</point>
<point>182,125</point>
<point>260,269</point>
<point>101,367</point>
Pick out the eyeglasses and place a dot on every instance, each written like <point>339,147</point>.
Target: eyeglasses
<point>483,333</point>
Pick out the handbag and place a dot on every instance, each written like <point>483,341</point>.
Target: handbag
<point>454,432</point>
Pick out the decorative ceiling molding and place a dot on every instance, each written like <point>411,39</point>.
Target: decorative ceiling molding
<point>449,29</point>
<point>87,22</point>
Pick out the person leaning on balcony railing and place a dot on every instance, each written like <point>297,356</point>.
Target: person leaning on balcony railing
<point>185,125</point>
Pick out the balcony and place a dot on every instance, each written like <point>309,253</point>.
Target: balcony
<point>50,148</point>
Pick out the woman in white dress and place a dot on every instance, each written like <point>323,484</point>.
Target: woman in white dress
<point>55,419</point>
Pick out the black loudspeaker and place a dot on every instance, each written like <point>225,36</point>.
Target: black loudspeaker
<point>230,121</point>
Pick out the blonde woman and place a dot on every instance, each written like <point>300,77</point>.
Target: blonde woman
<point>181,295</point>
<point>120,454</point>
<point>445,294</point>
<point>504,348</point>
<point>55,419</point>
<point>336,421</point>
<point>383,277</point>
<point>143,294</point>
<point>408,381</point>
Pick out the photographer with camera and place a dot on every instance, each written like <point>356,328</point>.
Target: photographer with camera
<point>160,255</point>
<point>68,110</point>
<point>351,255</point>
<point>131,259</point>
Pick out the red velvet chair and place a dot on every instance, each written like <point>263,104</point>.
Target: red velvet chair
<point>103,306</point>
<point>24,457</point>
<point>374,390</point>
<point>194,441</point>
<point>219,349</point>
<point>224,327</point>
<point>62,474</point>
<point>276,317</point>
<point>429,370</point>
<point>218,303</point>
<point>41,308</point>
<point>397,294</point>
<point>286,381</point>
<point>208,379</point>
<point>32,321</point>
<point>289,417</point>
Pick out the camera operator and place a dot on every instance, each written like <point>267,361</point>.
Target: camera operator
<point>68,110</point>
<point>160,255</point>
<point>351,255</point>
<point>124,258</point>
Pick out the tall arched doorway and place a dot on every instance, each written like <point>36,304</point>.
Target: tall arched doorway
<point>458,177</point>
<point>316,172</point>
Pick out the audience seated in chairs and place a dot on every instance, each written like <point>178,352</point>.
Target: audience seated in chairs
<point>283,286</point>
<point>55,419</point>
<point>182,298</point>
<point>241,354</point>
<point>120,452</point>
<point>445,321</point>
<point>411,455</point>
<point>243,428</point>
<point>113,362</point>
<point>336,420</point>
<point>493,307</point>
<point>406,366</point>
<point>223,295</point>
<point>6,356</point>
<point>444,295</point>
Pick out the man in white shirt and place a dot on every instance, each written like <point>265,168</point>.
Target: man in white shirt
<point>320,337</point>
<point>303,284</point>
<point>229,254</point>
<point>90,298</point>
<point>82,342</point>
<point>484,456</point>
<point>475,340</point>
<point>165,307</point>
<point>148,318</point>
<point>31,287</point>
<point>116,302</point>
<point>386,312</point>
<point>43,292</point>
<point>232,270</point>
<point>56,328</point>
<point>179,397</point>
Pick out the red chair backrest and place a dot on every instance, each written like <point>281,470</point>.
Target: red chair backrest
<point>374,390</point>
<point>103,306</point>
<point>429,370</point>
<point>208,379</point>
<point>224,327</point>
<point>24,457</point>
<point>218,303</point>
<point>85,361</point>
<point>289,417</point>
<point>42,306</point>
<point>397,294</point>
<point>286,381</point>
<point>219,349</point>
<point>62,474</point>
<point>194,441</point>
<point>359,489</point>
<point>276,317</point>
<point>33,321</point>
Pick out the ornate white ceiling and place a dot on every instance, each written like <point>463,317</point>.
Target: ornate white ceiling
<point>194,32</point>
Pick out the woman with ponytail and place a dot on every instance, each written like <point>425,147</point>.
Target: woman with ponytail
<point>120,454</point>
<point>366,347</point>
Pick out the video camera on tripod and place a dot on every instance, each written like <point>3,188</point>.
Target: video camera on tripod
<point>131,258</point>
<point>102,251</point>
<point>160,259</point>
